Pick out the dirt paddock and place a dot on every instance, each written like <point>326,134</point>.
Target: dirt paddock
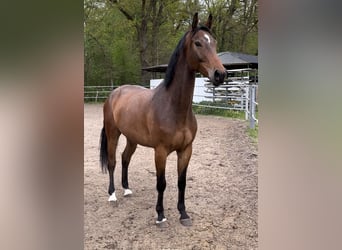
<point>221,194</point>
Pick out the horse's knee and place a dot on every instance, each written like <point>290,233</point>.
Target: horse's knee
<point>161,183</point>
<point>161,186</point>
<point>182,179</point>
<point>124,163</point>
<point>181,184</point>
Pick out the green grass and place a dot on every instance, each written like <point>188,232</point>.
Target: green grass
<point>253,133</point>
<point>218,112</point>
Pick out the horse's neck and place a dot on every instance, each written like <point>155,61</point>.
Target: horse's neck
<point>182,88</point>
<point>180,92</point>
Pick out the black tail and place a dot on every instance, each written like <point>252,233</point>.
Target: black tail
<point>103,151</point>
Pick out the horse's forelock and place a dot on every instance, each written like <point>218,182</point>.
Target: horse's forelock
<point>201,27</point>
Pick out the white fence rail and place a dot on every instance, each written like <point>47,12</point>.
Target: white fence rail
<point>251,110</point>
<point>238,93</point>
<point>96,93</point>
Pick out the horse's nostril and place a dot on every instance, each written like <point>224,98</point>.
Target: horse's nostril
<point>216,74</point>
<point>219,76</point>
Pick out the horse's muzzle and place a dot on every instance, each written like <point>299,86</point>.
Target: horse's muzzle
<point>219,77</point>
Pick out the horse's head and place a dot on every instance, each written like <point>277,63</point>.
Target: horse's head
<point>201,53</point>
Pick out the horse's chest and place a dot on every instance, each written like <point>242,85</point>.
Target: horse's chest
<point>178,139</point>
<point>173,134</point>
<point>184,137</point>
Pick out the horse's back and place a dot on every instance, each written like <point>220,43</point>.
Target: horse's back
<point>128,96</point>
<point>126,91</point>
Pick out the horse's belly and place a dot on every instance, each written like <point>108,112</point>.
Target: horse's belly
<point>175,140</point>
<point>139,137</point>
<point>135,131</point>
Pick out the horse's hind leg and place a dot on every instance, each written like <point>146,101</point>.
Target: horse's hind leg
<point>112,144</point>
<point>126,158</point>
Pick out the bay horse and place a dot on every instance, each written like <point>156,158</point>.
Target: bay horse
<point>161,118</point>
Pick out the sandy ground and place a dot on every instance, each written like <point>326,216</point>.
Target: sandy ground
<point>221,195</point>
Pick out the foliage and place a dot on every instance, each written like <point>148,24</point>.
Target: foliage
<point>109,58</point>
<point>121,37</point>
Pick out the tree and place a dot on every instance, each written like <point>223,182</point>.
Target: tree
<point>109,59</point>
<point>149,17</point>
<point>139,17</point>
<point>248,21</point>
<point>235,24</point>
<point>124,36</point>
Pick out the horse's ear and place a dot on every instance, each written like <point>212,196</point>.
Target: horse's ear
<point>209,21</point>
<point>195,21</point>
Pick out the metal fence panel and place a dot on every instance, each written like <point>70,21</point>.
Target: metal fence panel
<point>237,93</point>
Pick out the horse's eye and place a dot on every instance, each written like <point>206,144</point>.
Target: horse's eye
<point>198,44</point>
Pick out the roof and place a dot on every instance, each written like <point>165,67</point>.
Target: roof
<point>230,60</point>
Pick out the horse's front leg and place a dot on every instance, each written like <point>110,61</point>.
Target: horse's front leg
<point>160,161</point>
<point>182,166</point>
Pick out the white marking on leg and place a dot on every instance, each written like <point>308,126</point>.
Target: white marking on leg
<point>163,220</point>
<point>127,192</point>
<point>112,197</point>
<point>207,37</point>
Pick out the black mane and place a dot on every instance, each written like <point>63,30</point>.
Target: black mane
<point>171,67</point>
<point>170,71</point>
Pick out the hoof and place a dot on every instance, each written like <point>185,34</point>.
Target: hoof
<point>112,197</point>
<point>128,192</point>
<point>186,222</point>
<point>162,223</point>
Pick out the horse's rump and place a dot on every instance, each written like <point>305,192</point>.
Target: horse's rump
<point>131,112</point>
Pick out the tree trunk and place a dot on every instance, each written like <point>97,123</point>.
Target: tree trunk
<point>157,12</point>
<point>141,28</point>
